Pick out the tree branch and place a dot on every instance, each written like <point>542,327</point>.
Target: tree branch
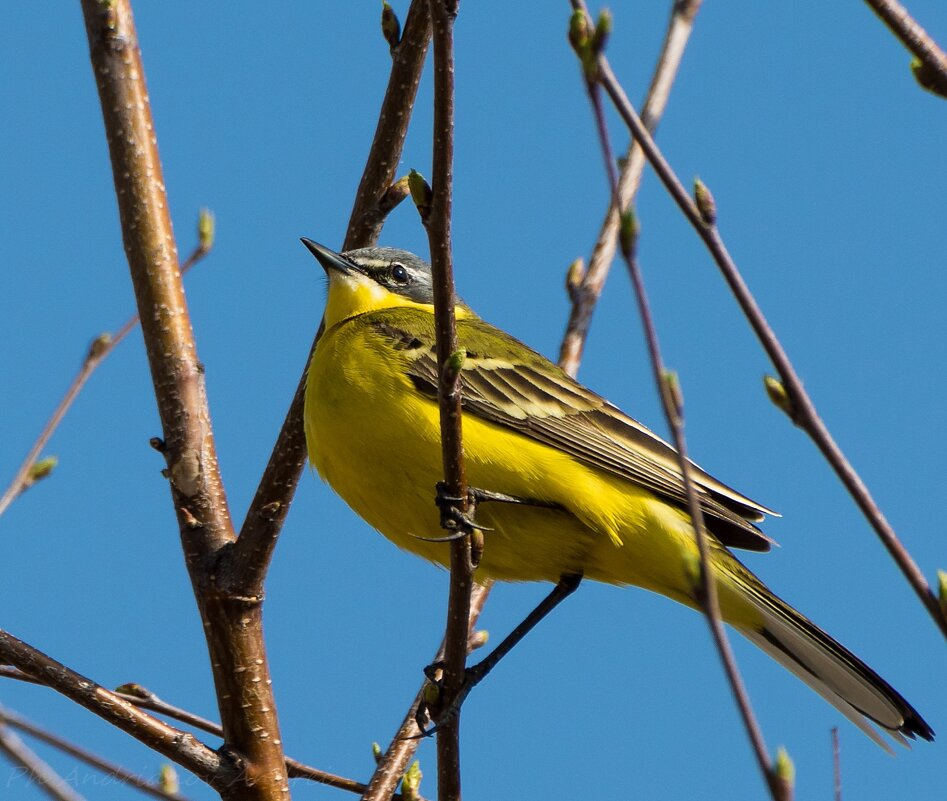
<point>394,762</point>
<point>585,293</point>
<point>669,395</point>
<point>932,70</point>
<point>449,361</point>
<point>802,409</point>
<point>245,569</point>
<point>110,769</point>
<point>232,624</point>
<point>101,347</point>
<point>26,760</point>
<point>176,745</point>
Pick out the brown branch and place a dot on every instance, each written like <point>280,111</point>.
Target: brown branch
<point>394,762</point>
<point>407,61</point>
<point>109,768</point>
<point>585,293</point>
<point>403,746</point>
<point>232,624</point>
<point>437,221</point>
<point>836,766</point>
<point>178,746</point>
<point>32,765</point>
<point>100,348</point>
<point>672,404</point>
<point>143,698</point>
<point>803,411</point>
<point>932,71</point>
<point>246,566</point>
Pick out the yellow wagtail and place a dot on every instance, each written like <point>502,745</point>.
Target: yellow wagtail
<point>607,498</point>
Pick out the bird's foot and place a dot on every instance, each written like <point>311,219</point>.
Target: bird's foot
<point>435,708</point>
<point>453,518</point>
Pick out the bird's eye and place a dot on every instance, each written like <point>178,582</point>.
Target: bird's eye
<point>399,274</point>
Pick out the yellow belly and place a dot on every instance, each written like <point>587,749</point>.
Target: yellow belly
<point>376,441</point>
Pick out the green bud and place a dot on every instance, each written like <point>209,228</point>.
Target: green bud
<point>421,193</point>
<point>390,26</point>
<point>431,694</point>
<point>574,276</point>
<point>411,782</point>
<point>706,205</point>
<point>41,469</point>
<point>478,639</point>
<point>784,768</point>
<point>628,230</point>
<point>927,78</point>
<point>377,753</point>
<point>455,362</point>
<point>134,690</point>
<point>168,780</point>
<point>777,394</point>
<point>603,29</point>
<point>671,386</point>
<point>98,347</point>
<point>206,229</point>
<point>579,31</point>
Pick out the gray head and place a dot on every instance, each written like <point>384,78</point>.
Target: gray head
<point>396,270</point>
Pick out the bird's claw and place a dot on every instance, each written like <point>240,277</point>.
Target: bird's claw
<point>430,709</point>
<point>453,518</point>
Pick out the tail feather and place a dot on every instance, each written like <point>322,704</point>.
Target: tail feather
<point>832,671</point>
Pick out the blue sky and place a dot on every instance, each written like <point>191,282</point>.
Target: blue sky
<point>827,165</point>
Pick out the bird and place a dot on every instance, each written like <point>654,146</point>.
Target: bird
<point>604,495</point>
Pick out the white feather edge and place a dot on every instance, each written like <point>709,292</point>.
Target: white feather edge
<point>812,653</point>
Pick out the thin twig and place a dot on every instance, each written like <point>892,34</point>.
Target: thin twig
<point>178,746</point>
<point>368,212</point>
<point>405,743</point>
<point>933,60</point>
<point>449,360</point>
<point>109,768</point>
<point>394,762</point>
<point>246,566</point>
<point>673,411</point>
<point>143,698</point>
<point>31,765</point>
<point>803,411</point>
<point>585,294</point>
<point>836,766</point>
<point>101,347</point>
<point>232,623</point>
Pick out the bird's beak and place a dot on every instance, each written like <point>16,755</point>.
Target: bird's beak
<point>329,259</point>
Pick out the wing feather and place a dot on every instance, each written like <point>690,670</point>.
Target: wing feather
<point>507,384</point>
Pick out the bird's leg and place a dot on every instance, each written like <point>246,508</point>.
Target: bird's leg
<point>566,585</point>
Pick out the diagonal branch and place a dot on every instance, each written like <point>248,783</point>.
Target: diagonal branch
<point>101,347</point>
<point>50,782</point>
<point>395,760</point>
<point>585,293</point>
<point>110,769</point>
<point>250,559</point>
<point>143,698</point>
<point>803,411</point>
<point>932,69</point>
<point>178,746</point>
<point>588,48</point>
